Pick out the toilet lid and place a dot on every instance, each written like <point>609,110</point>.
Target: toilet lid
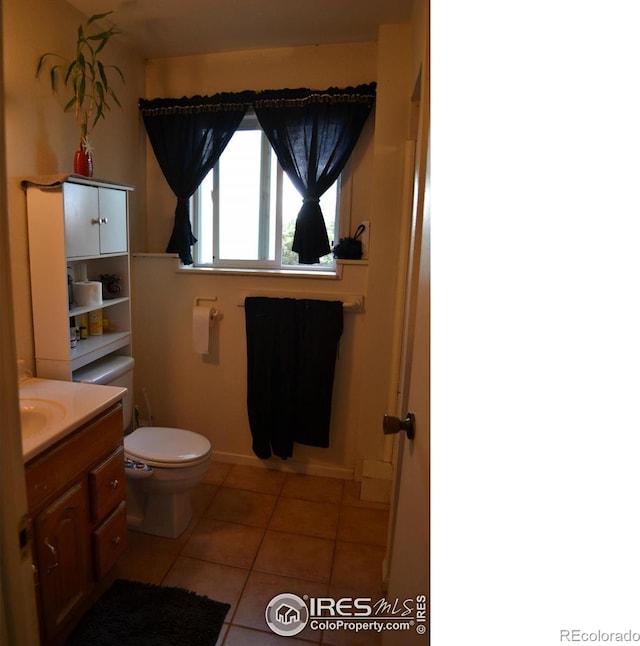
<point>157,445</point>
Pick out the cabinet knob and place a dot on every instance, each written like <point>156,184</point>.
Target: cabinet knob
<point>116,540</point>
<point>114,483</point>
<point>104,220</point>
<point>95,220</point>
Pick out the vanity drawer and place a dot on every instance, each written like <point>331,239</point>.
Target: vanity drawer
<point>52,471</point>
<point>110,540</point>
<point>107,484</point>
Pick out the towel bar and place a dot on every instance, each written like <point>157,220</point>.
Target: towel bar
<point>350,302</point>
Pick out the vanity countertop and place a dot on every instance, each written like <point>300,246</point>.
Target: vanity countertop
<point>51,410</point>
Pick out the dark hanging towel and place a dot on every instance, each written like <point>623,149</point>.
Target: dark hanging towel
<point>291,352</point>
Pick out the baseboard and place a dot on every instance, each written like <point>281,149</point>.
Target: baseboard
<point>289,466</point>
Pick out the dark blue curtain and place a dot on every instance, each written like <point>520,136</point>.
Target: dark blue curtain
<point>188,136</point>
<point>313,134</point>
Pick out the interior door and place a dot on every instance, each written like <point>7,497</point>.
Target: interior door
<point>408,554</point>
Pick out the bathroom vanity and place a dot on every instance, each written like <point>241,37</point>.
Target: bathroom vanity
<point>76,491</point>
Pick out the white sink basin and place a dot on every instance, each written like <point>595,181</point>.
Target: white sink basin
<point>51,409</point>
<point>36,414</point>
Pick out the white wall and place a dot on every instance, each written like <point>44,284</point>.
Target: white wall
<point>209,396</point>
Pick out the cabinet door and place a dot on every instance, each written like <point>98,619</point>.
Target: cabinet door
<point>81,220</point>
<point>113,220</point>
<point>61,533</point>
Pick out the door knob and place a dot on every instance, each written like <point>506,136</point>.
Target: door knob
<point>391,425</point>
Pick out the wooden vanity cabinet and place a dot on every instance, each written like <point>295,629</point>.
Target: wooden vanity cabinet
<point>76,492</point>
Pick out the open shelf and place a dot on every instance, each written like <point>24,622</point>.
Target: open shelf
<point>76,311</point>
<point>94,347</point>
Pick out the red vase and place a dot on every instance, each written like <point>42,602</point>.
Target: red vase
<point>83,163</point>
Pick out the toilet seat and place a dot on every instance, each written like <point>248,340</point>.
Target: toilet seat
<point>159,446</point>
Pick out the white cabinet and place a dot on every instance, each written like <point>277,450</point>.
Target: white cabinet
<point>95,220</point>
<point>76,225</point>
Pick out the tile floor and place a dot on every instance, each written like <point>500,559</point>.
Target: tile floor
<point>256,533</point>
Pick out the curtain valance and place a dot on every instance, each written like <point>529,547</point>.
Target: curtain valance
<point>365,94</point>
<point>267,98</point>
<point>312,132</point>
<point>223,101</point>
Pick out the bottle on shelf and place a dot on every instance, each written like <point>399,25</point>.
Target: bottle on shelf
<point>95,323</point>
<point>73,332</point>
<point>70,286</point>
<point>83,325</point>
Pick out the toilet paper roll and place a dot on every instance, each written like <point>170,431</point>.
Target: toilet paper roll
<point>203,317</point>
<point>87,293</point>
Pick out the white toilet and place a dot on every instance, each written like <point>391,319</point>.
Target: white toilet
<point>162,464</point>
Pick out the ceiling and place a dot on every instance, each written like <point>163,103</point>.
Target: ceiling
<point>167,28</point>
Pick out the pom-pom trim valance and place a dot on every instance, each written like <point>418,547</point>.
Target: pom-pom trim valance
<point>224,101</point>
<point>301,97</point>
<point>221,102</point>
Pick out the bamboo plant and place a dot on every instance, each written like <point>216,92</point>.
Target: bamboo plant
<point>87,76</point>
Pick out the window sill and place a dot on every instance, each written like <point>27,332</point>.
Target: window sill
<point>284,273</point>
<point>362,263</point>
<point>335,274</point>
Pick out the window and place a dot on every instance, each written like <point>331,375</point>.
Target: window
<point>244,212</point>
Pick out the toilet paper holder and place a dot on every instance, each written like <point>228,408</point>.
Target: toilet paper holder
<point>198,300</point>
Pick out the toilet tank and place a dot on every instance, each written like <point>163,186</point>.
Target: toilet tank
<point>113,370</point>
